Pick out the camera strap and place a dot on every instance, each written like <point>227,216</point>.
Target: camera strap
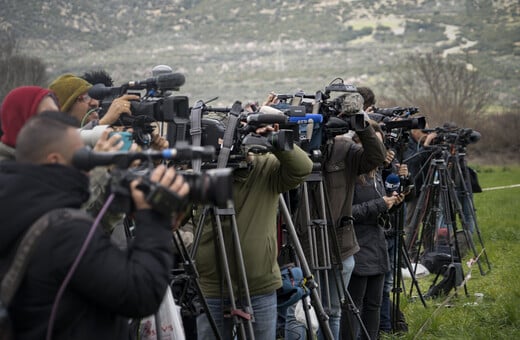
<point>196,131</point>
<point>223,156</point>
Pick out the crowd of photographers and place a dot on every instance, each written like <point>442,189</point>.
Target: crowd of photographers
<point>83,282</point>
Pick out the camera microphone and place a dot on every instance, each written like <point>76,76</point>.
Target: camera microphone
<point>256,119</point>
<point>166,81</point>
<point>392,184</point>
<point>86,159</point>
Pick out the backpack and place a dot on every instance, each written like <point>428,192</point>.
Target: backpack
<point>14,275</point>
<point>453,277</point>
<point>293,288</point>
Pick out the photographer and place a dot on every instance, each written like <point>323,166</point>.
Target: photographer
<point>392,225</point>
<point>74,100</point>
<point>256,191</point>
<point>343,162</point>
<point>371,205</point>
<point>109,285</point>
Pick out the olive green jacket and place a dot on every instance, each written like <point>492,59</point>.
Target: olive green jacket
<point>256,193</point>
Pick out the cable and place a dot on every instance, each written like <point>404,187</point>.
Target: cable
<point>74,266</point>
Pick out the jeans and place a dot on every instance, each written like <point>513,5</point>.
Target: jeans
<point>294,330</point>
<point>264,325</point>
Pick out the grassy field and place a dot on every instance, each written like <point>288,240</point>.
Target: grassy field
<point>497,315</point>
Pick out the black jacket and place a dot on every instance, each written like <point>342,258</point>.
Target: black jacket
<point>109,284</point>
<point>368,204</point>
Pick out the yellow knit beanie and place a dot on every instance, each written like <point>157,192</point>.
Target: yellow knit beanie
<point>68,87</point>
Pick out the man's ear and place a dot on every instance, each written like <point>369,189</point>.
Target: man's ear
<point>55,158</point>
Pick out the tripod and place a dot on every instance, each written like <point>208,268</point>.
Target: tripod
<point>437,209</point>
<point>322,242</point>
<point>460,175</point>
<point>308,277</point>
<point>401,256</point>
<point>242,318</point>
<point>190,279</point>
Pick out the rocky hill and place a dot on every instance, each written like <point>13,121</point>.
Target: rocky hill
<point>244,49</point>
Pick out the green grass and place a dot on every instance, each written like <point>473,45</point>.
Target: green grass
<point>498,315</point>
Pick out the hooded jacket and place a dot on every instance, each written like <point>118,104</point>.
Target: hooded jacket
<point>109,285</point>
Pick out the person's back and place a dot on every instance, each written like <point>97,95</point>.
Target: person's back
<point>109,285</point>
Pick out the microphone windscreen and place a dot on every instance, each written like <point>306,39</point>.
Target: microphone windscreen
<point>267,118</point>
<point>170,81</point>
<point>392,183</point>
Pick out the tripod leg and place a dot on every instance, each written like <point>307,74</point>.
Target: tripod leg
<point>238,318</point>
<point>192,273</point>
<point>311,284</point>
<point>467,204</point>
<point>452,204</point>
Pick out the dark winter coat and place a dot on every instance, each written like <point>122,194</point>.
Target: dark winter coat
<point>109,285</point>
<point>345,161</point>
<point>368,205</point>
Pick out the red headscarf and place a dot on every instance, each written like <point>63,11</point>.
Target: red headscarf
<point>19,105</point>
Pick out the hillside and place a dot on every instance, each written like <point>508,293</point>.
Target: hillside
<point>242,50</point>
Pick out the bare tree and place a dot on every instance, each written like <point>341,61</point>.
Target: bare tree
<point>443,90</point>
<point>18,70</point>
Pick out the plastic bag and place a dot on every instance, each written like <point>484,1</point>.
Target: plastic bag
<point>299,314</point>
<point>166,324</point>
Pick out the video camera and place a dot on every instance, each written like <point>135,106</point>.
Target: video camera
<point>209,187</point>
<point>342,113</point>
<point>156,100</point>
<point>156,104</point>
<point>454,136</point>
<point>234,130</point>
<point>322,116</point>
<point>396,122</point>
<point>396,111</point>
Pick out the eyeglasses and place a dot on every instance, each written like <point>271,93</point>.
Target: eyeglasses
<point>84,98</point>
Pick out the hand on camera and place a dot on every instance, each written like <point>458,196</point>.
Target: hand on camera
<point>165,177</point>
<point>112,143</point>
<point>119,106</point>
<point>390,154</point>
<point>402,170</point>
<point>429,138</point>
<point>272,99</point>
<point>266,129</point>
<point>158,142</point>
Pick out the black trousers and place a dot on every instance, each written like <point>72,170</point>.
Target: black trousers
<point>367,293</point>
